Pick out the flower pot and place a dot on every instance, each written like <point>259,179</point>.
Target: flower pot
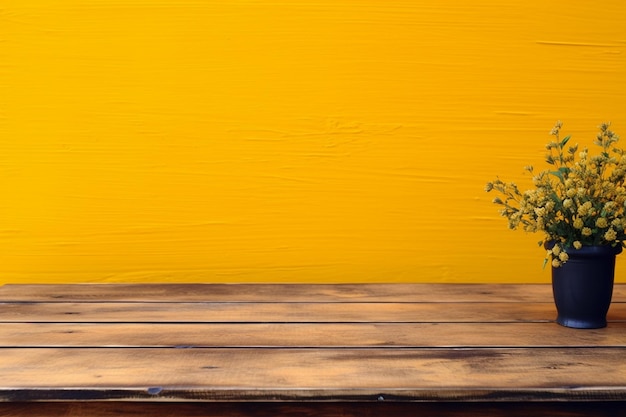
<point>583,286</point>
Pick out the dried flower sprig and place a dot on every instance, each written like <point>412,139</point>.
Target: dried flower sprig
<point>580,200</point>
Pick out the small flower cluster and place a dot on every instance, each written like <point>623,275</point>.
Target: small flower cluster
<point>579,201</point>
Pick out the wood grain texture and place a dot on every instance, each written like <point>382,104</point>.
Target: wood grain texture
<point>279,312</point>
<point>257,374</point>
<point>345,353</point>
<point>295,335</point>
<point>288,292</point>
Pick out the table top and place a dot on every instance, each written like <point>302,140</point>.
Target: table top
<point>302,342</point>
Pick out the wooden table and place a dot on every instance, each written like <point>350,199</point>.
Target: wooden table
<point>304,350</point>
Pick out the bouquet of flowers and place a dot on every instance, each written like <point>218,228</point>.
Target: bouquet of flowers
<point>579,200</point>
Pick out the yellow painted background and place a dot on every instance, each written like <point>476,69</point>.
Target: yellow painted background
<point>326,141</point>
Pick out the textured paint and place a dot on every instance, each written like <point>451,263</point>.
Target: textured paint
<point>327,141</point>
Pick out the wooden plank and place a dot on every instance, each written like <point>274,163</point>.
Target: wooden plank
<point>281,312</point>
<point>500,374</point>
<point>308,335</point>
<point>255,409</point>
<point>287,292</point>
<point>285,312</point>
<point>456,350</point>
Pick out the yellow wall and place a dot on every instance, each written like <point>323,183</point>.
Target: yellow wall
<point>326,141</point>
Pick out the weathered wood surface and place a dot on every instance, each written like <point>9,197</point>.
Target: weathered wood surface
<point>327,350</point>
<point>308,335</point>
<point>433,293</point>
<point>281,312</point>
<point>505,374</point>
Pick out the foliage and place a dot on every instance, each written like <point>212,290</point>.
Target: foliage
<point>578,201</point>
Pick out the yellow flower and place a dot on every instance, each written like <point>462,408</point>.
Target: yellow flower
<point>610,235</point>
<point>587,201</point>
<point>578,223</point>
<point>584,209</point>
<point>568,203</point>
<point>538,224</point>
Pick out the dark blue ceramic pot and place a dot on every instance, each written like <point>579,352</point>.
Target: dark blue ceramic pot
<point>583,286</point>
